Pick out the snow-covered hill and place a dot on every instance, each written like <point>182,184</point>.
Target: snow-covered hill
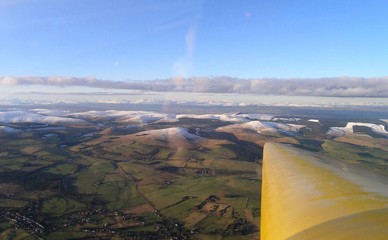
<point>174,138</point>
<point>261,127</point>
<point>348,129</point>
<point>222,117</point>
<point>153,117</point>
<point>31,117</point>
<point>5,129</point>
<point>127,116</point>
<point>51,112</point>
<point>171,134</point>
<point>61,117</point>
<point>314,120</point>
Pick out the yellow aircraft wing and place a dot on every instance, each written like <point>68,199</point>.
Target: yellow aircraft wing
<point>308,196</point>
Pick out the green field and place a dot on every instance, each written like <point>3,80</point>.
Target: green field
<point>373,159</point>
<point>125,187</point>
<point>118,183</point>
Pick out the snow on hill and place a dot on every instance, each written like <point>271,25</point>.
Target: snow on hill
<point>348,129</point>
<point>149,118</point>
<point>336,132</point>
<point>314,120</point>
<point>52,116</point>
<point>254,126</point>
<point>285,126</point>
<point>284,119</point>
<point>261,127</point>
<point>153,117</point>
<point>5,129</point>
<point>171,134</point>
<point>51,112</point>
<point>128,116</point>
<point>256,116</point>
<point>222,117</point>
<point>31,117</point>
<point>231,117</point>
<point>175,138</point>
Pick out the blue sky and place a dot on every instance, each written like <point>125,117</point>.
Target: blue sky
<point>144,40</point>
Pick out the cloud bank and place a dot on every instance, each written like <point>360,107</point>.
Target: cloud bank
<point>330,87</point>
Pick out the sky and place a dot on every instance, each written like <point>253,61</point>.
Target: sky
<point>147,40</point>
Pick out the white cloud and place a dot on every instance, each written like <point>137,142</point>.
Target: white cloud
<point>342,87</point>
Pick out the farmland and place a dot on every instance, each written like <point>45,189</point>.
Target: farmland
<point>115,184</point>
<point>188,177</point>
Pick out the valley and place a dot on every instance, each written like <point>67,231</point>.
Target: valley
<point>115,174</point>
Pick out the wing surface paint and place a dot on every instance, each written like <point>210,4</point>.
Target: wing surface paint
<point>307,196</point>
